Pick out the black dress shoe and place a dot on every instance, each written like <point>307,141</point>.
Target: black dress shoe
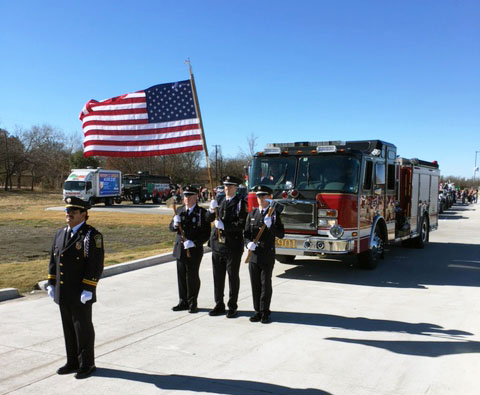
<point>83,373</point>
<point>266,318</point>
<point>193,309</point>
<point>231,313</point>
<point>217,311</point>
<point>67,369</point>
<point>180,307</point>
<point>256,317</point>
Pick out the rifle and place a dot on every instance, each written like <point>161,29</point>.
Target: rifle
<point>260,232</point>
<point>180,229</point>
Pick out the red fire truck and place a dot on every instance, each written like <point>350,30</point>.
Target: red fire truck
<point>347,197</point>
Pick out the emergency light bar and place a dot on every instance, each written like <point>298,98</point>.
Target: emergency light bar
<point>326,148</point>
<point>305,144</point>
<point>272,151</point>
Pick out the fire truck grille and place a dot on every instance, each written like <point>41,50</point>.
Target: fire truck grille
<point>299,215</point>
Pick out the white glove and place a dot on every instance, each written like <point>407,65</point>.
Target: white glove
<point>213,206</point>
<point>267,220</point>
<point>176,221</point>
<point>251,246</point>
<point>85,296</point>
<point>51,291</point>
<point>188,244</point>
<point>219,224</point>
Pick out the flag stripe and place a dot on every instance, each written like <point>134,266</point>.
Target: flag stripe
<point>144,126</point>
<point>147,147</point>
<point>145,137</point>
<point>143,142</point>
<point>139,132</point>
<point>161,120</point>
<point>107,113</point>
<point>162,152</point>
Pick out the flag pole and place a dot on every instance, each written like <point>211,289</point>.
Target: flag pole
<point>197,108</point>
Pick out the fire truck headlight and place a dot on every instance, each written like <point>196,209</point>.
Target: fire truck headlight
<point>336,231</point>
<point>324,222</point>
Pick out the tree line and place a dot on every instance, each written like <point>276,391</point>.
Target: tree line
<point>45,155</point>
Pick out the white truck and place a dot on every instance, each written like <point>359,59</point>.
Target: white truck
<point>94,185</point>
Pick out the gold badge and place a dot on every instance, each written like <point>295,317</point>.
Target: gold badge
<point>98,241</point>
<point>78,245</point>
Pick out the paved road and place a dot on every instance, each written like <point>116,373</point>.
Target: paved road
<point>409,327</point>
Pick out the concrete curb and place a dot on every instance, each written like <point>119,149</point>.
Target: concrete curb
<point>109,270</point>
<point>8,293</point>
<point>126,267</point>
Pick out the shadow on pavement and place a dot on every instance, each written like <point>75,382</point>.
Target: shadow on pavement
<point>436,264</point>
<point>204,384</point>
<point>418,348</point>
<point>366,324</point>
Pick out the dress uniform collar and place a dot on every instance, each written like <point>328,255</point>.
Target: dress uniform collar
<point>190,210</point>
<point>76,228</point>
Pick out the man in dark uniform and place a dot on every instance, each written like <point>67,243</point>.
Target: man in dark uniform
<point>262,256</point>
<point>191,219</point>
<point>226,241</point>
<point>76,264</point>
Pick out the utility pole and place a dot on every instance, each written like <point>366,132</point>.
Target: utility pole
<point>216,163</point>
<point>475,169</point>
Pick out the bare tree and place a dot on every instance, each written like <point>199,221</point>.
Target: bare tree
<point>252,142</point>
<point>12,157</point>
<point>47,155</point>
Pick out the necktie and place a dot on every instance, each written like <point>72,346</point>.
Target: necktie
<point>69,235</point>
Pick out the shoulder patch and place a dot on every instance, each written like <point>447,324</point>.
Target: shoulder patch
<point>98,240</point>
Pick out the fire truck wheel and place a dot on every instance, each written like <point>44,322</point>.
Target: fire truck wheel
<point>421,240</point>
<point>285,258</point>
<point>369,259</point>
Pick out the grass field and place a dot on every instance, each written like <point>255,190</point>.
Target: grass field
<point>27,230</point>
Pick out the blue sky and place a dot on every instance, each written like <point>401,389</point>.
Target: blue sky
<point>407,72</point>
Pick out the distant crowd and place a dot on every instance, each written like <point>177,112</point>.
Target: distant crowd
<point>467,195</point>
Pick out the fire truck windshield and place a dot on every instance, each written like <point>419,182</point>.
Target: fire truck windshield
<point>276,172</point>
<point>328,173</point>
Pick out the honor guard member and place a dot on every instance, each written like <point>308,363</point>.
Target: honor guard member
<point>76,264</point>
<point>226,241</point>
<point>190,219</point>
<point>262,256</point>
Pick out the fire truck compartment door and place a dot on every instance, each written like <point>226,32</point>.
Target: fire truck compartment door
<point>415,196</point>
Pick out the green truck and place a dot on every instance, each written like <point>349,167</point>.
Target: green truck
<point>143,187</point>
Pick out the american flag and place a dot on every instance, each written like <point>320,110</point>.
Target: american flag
<point>160,120</point>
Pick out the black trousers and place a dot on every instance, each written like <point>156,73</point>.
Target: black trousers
<point>78,333</point>
<point>261,280</point>
<point>223,263</point>
<point>188,280</point>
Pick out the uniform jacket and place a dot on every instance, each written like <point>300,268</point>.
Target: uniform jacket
<point>265,251</point>
<point>77,266</point>
<point>195,227</point>
<point>233,215</point>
